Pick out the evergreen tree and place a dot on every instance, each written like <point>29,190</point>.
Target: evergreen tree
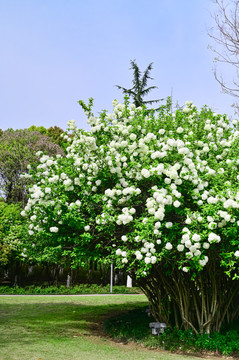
<point>140,89</point>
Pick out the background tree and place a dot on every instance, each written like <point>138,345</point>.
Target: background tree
<point>140,89</point>
<point>54,133</point>
<point>12,233</point>
<point>18,149</point>
<point>225,34</point>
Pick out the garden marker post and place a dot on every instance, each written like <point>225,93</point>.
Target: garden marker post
<point>111,277</point>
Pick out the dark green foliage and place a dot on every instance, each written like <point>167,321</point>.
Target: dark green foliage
<point>134,326</point>
<point>140,89</point>
<point>54,133</point>
<point>63,290</point>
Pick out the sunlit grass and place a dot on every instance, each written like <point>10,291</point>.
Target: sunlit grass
<point>63,328</point>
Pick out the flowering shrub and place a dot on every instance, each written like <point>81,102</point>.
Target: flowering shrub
<point>157,192</point>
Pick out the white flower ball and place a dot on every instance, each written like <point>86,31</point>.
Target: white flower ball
<point>180,247</point>
<point>168,224</point>
<point>147,260</point>
<point>153,259</point>
<point>168,246</point>
<point>124,238</point>
<point>176,204</point>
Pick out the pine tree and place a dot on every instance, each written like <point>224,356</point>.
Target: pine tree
<point>140,89</point>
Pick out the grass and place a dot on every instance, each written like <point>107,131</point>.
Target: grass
<point>67,328</point>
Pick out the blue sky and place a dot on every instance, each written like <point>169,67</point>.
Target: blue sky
<point>55,52</point>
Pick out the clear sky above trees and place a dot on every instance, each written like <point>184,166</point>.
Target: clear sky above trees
<point>55,53</point>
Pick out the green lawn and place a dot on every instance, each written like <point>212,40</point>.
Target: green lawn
<point>63,328</point>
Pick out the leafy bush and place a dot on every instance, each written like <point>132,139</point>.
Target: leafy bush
<point>134,325</point>
<point>62,290</point>
<point>157,193</point>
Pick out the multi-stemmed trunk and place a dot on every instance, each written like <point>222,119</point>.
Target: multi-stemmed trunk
<point>203,304</point>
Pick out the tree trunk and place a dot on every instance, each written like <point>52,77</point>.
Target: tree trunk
<point>202,304</point>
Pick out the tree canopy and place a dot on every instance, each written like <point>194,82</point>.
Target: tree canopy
<point>17,151</point>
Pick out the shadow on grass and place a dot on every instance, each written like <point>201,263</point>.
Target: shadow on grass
<point>28,323</point>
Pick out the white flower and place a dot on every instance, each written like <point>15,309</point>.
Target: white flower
<point>63,176</point>
<point>153,259</point>
<point>180,247</point>
<point>49,162</point>
<point>87,228</point>
<point>147,260</point>
<point>185,269</point>
<point>212,237</point>
<point>196,237</point>
<point>188,243</point>
<point>132,137</point>
<point>236,253</point>
<point>229,203</point>
<point>176,204</point>
<point>54,229</point>
<point>168,224</point>
<point>159,214</point>
<point>179,130</point>
<point>168,246</point>
<point>139,256</point>
<point>118,252</point>
<point>185,238</point>
<point>157,225</point>
<point>212,200</point>
<point>145,173</point>
<point>67,182</point>
<point>167,180</point>
<point>124,238</point>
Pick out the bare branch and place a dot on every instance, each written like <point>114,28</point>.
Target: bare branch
<point>225,35</point>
